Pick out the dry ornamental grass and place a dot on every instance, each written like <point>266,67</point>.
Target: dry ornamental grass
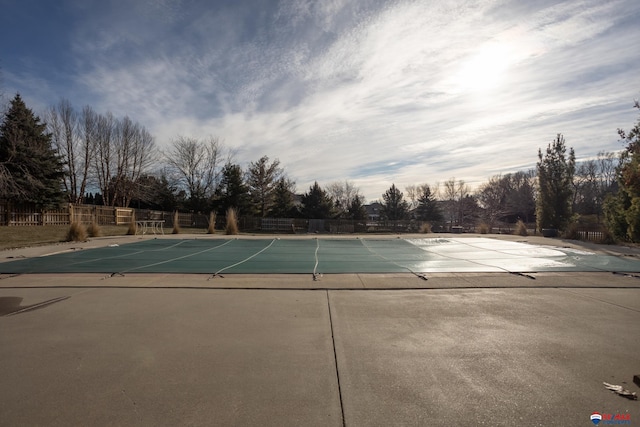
<point>176,223</point>
<point>211,229</point>
<point>76,233</point>
<point>94,229</point>
<point>132,225</point>
<point>232,222</point>
<point>521,229</point>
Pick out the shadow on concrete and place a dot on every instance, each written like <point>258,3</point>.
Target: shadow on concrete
<point>11,305</point>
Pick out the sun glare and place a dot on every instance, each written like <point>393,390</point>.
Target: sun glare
<point>485,69</point>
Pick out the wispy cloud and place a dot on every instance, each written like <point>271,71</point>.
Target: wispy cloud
<point>378,92</point>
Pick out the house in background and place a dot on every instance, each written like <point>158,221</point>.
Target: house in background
<point>374,211</point>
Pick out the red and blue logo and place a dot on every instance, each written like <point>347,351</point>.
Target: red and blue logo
<point>609,419</point>
<point>596,418</point>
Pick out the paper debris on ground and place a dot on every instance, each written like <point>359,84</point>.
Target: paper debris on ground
<point>621,391</point>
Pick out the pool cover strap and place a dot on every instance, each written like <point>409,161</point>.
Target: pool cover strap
<point>319,256</point>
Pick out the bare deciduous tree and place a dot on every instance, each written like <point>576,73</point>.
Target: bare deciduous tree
<point>73,138</point>
<point>62,123</point>
<point>124,151</point>
<point>343,195</point>
<point>455,193</point>
<point>195,166</point>
<point>585,187</point>
<point>134,154</point>
<point>9,187</point>
<point>104,159</point>
<point>607,165</point>
<point>592,181</point>
<point>413,192</point>
<point>492,198</point>
<point>509,195</point>
<point>88,128</point>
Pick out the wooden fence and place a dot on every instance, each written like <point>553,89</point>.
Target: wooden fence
<point>102,215</point>
<point>20,215</point>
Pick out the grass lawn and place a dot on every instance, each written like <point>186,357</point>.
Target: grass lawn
<point>20,237</point>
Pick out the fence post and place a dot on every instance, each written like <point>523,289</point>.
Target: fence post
<point>71,215</point>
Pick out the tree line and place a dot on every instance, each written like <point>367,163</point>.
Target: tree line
<point>89,157</point>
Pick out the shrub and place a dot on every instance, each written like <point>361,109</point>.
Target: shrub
<point>76,233</point>
<point>176,223</point>
<point>212,223</point>
<point>571,232</point>
<point>425,228</point>
<point>133,226</point>
<point>521,229</point>
<point>607,238</point>
<point>94,229</point>
<point>483,228</point>
<point>232,222</point>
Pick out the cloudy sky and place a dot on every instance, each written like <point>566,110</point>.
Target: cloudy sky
<point>373,91</point>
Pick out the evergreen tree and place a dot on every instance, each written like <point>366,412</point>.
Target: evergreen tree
<point>166,194</point>
<point>30,170</point>
<point>261,180</point>
<point>520,197</point>
<point>555,185</point>
<point>622,210</point>
<point>283,200</point>
<point>428,209</point>
<point>356,210</point>
<point>232,191</point>
<point>151,192</point>
<point>316,204</point>
<point>394,207</point>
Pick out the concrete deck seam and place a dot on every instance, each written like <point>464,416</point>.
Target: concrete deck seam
<point>335,358</point>
<point>598,299</point>
<point>246,288</point>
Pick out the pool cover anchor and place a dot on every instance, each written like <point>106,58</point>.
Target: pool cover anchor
<point>214,275</point>
<point>317,276</point>
<point>528,276</point>
<point>620,273</point>
<point>112,274</point>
